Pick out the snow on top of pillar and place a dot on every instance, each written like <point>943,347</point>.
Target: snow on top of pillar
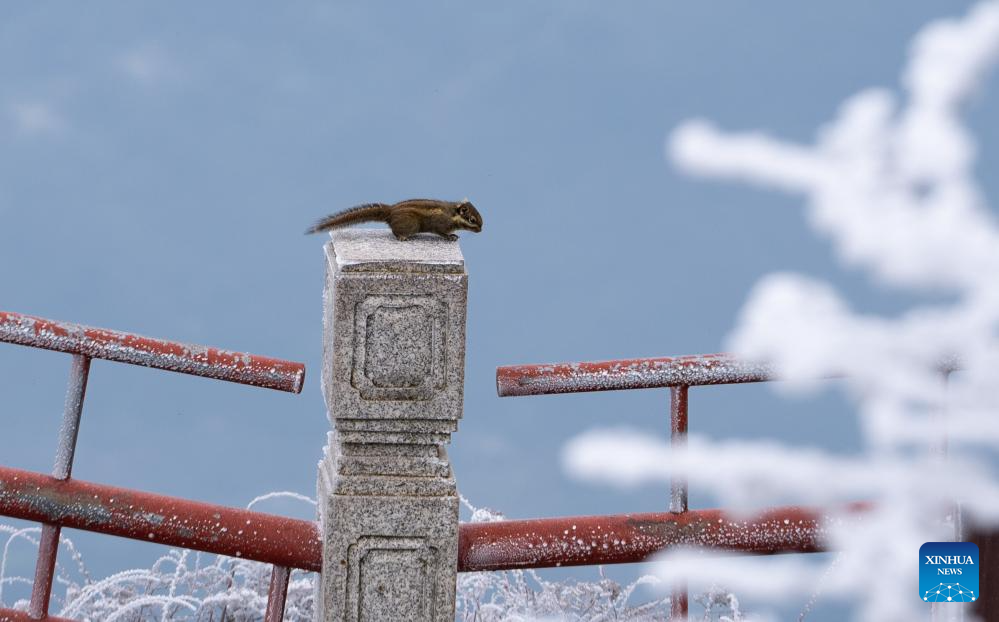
<point>377,250</point>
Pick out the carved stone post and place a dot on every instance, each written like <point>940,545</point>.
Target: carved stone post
<point>393,378</point>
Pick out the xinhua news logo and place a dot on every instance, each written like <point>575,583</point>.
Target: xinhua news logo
<point>948,572</point>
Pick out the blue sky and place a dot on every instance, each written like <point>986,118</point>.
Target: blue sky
<point>158,163</point>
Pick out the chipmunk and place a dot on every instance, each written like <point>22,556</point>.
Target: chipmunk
<point>407,218</point>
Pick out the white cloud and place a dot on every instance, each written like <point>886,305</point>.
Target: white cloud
<point>35,118</point>
<point>147,64</point>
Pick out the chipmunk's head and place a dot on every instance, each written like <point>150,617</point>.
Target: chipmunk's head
<point>467,217</point>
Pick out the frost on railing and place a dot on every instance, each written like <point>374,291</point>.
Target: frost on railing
<point>186,585</point>
<point>180,585</point>
<point>525,595</point>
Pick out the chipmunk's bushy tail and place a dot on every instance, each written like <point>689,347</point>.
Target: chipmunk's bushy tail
<point>369,212</point>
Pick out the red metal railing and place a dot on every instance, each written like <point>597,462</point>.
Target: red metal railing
<point>157,518</point>
<point>57,501</point>
<point>630,538</point>
<point>649,373</point>
<point>588,540</point>
<point>111,345</point>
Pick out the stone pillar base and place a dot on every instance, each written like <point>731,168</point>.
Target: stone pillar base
<point>386,557</point>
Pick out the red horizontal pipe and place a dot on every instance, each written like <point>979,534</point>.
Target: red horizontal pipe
<point>13,615</point>
<point>649,373</point>
<point>161,519</point>
<point>100,343</point>
<point>628,538</point>
<point>539,543</point>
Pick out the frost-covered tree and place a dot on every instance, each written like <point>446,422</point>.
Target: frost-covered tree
<point>890,181</point>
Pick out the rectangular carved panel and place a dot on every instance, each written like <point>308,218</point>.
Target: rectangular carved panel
<point>395,346</point>
<point>399,347</point>
<point>391,578</point>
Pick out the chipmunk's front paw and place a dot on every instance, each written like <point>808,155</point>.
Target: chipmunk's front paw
<point>452,236</point>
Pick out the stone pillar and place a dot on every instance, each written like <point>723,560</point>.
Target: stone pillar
<point>393,379</point>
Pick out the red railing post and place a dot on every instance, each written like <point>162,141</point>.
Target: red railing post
<point>48,544</point>
<point>678,487</point>
<point>277,593</point>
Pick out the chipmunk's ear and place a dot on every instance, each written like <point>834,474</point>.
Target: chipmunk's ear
<point>465,201</point>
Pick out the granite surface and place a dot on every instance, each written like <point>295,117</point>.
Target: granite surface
<point>386,557</point>
<point>394,345</point>
<point>393,380</point>
<point>377,250</point>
